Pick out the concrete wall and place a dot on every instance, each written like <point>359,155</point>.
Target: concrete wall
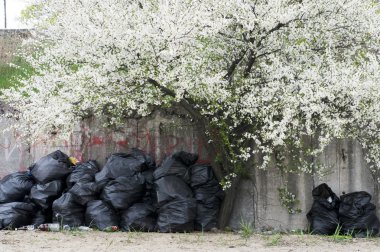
<point>10,41</point>
<point>257,200</point>
<point>159,135</point>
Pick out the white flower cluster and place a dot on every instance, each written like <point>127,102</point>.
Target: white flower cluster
<point>289,200</point>
<point>226,183</point>
<point>273,71</point>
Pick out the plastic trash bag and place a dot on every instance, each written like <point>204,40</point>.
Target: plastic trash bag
<point>54,166</point>
<point>67,212</point>
<point>176,165</point>
<point>150,196</point>
<point>148,161</point>
<point>177,215</point>
<point>39,218</point>
<point>186,158</point>
<point>357,215</point>
<point>122,192</point>
<point>207,218</point>
<point>176,206</point>
<point>15,214</point>
<point>43,195</point>
<point>101,215</point>
<point>201,175</point>
<point>84,173</point>
<point>139,217</point>
<point>209,196</point>
<point>15,186</point>
<point>323,215</point>
<point>85,192</point>
<point>171,187</point>
<point>124,165</point>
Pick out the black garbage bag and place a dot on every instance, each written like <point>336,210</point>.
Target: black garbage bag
<point>122,192</point>
<point>39,218</point>
<point>186,158</point>
<point>323,215</point>
<point>139,217</point>
<point>177,215</point>
<point>15,214</point>
<point>83,173</point>
<point>85,192</point>
<point>209,193</point>
<point>176,205</point>
<point>124,165</point>
<point>43,195</point>
<point>15,186</point>
<point>54,166</point>
<point>207,218</point>
<point>205,185</point>
<point>150,196</point>
<point>201,174</point>
<point>171,187</point>
<point>101,215</point>
<point>357,215</point>
<point>177,165</point>
<point>67,212</point>
<point>209,196</point>
<point>148,161</point>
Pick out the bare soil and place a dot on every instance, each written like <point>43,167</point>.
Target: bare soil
<point>78,241</point>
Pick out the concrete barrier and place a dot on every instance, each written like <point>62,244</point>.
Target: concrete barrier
<point>258,198</point>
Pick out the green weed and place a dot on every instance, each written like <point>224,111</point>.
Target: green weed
<point>10,74</point>
<point>276,239</point>
<point>246,228</point>
<point>338,237</point>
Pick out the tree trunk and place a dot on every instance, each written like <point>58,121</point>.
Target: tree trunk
<point>228,204</point>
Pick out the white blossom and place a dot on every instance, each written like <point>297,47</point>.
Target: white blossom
<point>278,69</point>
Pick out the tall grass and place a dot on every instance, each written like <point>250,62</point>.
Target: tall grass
<point>10,74</point>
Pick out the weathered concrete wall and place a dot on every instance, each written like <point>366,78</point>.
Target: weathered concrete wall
<point>10,41</point>
<point>159,135</point>
<point>257,200</point>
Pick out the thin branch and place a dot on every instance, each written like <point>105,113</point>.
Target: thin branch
<point>252,60</point>
<point>234,65</point>
<point>183,102</point>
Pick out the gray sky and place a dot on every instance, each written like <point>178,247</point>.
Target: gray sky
<point>14,8</point>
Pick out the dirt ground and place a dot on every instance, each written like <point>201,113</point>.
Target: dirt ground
<point>77,241</point>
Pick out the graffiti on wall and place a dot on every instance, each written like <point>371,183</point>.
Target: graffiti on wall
<point>98,143</point>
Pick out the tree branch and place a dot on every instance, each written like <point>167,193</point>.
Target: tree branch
<point>234,65</point>
<point>183,102</point>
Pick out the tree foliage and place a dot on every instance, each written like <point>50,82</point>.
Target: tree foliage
<point>259,75</point>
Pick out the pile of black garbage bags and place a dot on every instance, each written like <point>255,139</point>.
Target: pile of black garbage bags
<point>129,192</point>
<point>351,214</point>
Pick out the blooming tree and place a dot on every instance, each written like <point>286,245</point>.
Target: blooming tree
<point>259,76</point>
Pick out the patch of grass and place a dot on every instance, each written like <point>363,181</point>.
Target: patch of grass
<point>54,239</point>
<point>75,232</point>
<point>338,237</point>
<point>298,232</point>
<point>134,234</point>
<point>10,74</point>
<point>275,240</point>
<point>246,229</point>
